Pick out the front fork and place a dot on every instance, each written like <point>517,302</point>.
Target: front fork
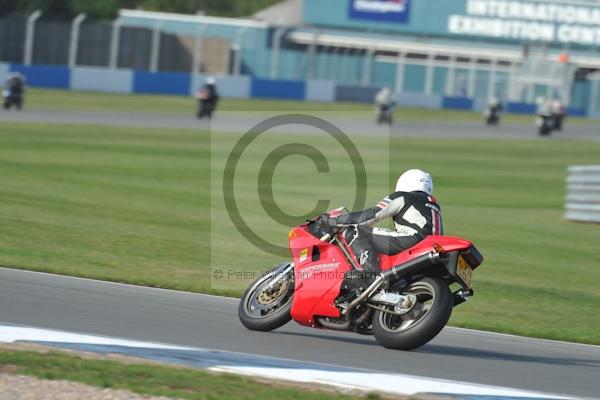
<point>281,271</point>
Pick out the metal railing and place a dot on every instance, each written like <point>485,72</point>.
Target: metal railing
<point>583,193</point>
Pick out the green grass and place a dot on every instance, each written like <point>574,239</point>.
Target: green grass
<point>88,101</point>
<point>151,379</point>
<point>134,205</point>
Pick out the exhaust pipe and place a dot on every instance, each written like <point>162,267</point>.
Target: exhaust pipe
<point>411,267</point>
<point>397,272</point>
<point>334,325</point>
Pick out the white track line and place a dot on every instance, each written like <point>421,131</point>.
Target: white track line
<point>359,379</point>
<point>11,334</point>
<point>389,383</point>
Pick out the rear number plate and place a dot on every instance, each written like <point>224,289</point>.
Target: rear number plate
<point>464,271</point>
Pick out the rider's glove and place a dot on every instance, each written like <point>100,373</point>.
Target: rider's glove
<point>330,221</point>
<point>327,223</point>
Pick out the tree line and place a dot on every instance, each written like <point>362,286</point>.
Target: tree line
<point>109,9</point>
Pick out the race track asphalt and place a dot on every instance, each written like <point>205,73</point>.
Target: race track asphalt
<point>352,124</point>
<point>187,319</point>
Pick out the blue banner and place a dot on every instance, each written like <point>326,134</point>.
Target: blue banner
<point>380,10</point>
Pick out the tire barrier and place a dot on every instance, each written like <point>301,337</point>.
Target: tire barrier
<point>583,193</point>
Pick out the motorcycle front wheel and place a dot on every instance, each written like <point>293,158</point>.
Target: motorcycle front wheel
<point>423,322</point>
<point>266,304</point>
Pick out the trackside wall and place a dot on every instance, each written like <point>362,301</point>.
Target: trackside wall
<point>123,80</point>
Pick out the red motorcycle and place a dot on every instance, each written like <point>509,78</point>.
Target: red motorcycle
<point>406,306</point>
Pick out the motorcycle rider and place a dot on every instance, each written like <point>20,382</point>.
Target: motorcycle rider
<point>492,111</point>
<point>15,88</point>
<point>558,114</point>
<point>544,120</point>
<point>415,213</point>
<point>384,104</point>
<point>207,99</point>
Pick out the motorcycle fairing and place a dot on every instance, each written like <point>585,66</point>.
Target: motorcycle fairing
<point>319,270</point>
<point>447,243</point>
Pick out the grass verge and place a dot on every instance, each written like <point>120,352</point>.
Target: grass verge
<point>94,101</point>
<point>134,205</point>
<point>154,380</point>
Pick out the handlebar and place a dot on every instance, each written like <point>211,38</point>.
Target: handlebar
<point>326,237</point>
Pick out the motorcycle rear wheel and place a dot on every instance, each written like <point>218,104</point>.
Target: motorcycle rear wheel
<point>264,308</point>
<point>422,323</point>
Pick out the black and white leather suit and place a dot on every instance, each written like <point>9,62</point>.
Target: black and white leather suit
<point>415,215</point>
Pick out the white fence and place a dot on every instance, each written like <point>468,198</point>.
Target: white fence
<point>583,193</point>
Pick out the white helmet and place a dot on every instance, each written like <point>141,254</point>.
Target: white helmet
<point>210,80</point>
<point>415,180</point>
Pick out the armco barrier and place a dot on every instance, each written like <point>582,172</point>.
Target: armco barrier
<point>479,104</point>
<point>359,94</point>
<point>583,193</point>
<point>4,72</point>
<point>242,86</point>
<point>322,91</point>
<point>419,100</point>
<point>234,86</point>
<point>161,82</point>
<point>457,103</point>
<point>521,108</point>
<point>227,86</point>
<point>278,89</point>
<point>102,79</point>
<point>49,76</point>
<point>576,112</point>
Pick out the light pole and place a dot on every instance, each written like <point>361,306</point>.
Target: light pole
<point>114,43</point>
<point>30,36</point>
<point>237,61</point>
<point>275,52</point>
<point>155,53</point>
<point>74,42</point>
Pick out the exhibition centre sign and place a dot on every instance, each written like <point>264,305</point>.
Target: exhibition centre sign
<point>529,21</point>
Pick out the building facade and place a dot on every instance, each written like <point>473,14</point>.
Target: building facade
<point>433,53</point>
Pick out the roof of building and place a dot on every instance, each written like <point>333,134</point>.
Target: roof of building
<point>428,46</point>
<point>284,13</point>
